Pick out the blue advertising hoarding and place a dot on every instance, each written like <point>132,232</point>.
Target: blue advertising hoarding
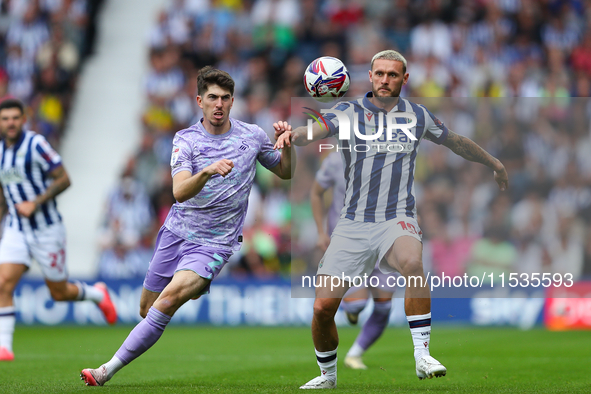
<point>263,303</point>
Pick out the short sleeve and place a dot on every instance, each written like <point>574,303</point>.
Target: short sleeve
<point>181,158</point>
<point>46,156</point>
<point>326,174</point>
<point>331,119</point>
<point>435,130</point>
<point>267,156</point>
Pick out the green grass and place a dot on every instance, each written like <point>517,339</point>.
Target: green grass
<point>277,360</point>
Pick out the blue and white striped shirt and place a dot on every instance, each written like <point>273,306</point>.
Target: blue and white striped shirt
<point>380,183</point>
<point>24,169</point>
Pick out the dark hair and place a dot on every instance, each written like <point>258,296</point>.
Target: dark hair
<point>12,103</point>
<point>212,76</point>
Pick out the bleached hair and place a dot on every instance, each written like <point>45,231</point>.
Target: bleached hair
<point>390,54</point>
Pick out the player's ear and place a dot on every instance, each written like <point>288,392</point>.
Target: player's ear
<point>199,101</point>
<point>405,79</point>
<point>370,76</point>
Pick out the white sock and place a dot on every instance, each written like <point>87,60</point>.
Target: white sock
<point>7,320</point>
<point>87,292</point>
<point>113,366</point>
<point>420,329</point>
<point>356,350</point>
<point>327,361</point>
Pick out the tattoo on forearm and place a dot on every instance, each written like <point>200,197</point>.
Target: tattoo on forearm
<point>468,149</point>
<point>54,189</point>
<point>60,183</point>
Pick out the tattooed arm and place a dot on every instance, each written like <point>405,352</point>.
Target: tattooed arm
<point>469,150</point>
<point>61,182</point>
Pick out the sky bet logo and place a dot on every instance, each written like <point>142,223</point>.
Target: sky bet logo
<point>388,141</point>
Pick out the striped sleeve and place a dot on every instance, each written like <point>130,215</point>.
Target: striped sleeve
<point>331,119</point>
<point>45,155</point>
<point>435,130</point>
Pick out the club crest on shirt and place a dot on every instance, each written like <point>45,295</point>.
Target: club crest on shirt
<point>243,146</point>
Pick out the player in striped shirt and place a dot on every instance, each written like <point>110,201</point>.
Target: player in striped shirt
<point>379,217</point>
<point>32,175</point>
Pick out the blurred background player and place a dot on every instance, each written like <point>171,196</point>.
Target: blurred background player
<point>204,226</point>
<point>330,177</point>
<point>32,175</point>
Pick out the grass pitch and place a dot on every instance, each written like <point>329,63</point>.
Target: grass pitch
<point>279,360</point>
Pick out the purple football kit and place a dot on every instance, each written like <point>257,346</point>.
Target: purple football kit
<point>201,233</point>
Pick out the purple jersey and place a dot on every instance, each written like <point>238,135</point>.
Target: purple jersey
<point>215,216</point>
<point>332,175</point>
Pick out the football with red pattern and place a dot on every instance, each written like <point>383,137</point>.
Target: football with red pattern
<point>326,79</point>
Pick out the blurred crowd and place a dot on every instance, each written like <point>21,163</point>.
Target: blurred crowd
<point>455,49</point>
<point>43,44</point>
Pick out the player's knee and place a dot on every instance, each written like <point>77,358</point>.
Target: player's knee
<point>324,309</point>
<point>412,267</point>
<point>168,304</point>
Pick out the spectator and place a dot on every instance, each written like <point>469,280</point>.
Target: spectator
<point>492,254</point>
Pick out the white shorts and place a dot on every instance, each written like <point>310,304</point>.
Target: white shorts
<point>46,246</point>
<point>356,246</point>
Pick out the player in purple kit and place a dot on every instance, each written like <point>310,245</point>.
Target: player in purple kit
<point>213,167</point>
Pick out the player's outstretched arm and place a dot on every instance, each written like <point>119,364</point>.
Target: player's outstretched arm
<point>186,185</point>
<point>469,150</point>
<point>61,181</point>
<point>299,136</point>
<point>287,164</point>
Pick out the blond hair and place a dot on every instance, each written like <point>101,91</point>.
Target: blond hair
<point>390,54</point>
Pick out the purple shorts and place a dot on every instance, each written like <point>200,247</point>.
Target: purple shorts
<point>173,253</point>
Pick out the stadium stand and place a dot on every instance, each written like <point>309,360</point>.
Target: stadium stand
<point>43,45</point>
<point>508,49</point>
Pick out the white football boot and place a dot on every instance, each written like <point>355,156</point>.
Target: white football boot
<point>428,367</point>
<point>320,382</point>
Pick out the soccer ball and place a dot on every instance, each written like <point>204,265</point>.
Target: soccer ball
<point>326,78</point>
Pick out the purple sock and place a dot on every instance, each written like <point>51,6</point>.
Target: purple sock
<point>375,325</point>
<point>143,336</point>
<point>355,306</point>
